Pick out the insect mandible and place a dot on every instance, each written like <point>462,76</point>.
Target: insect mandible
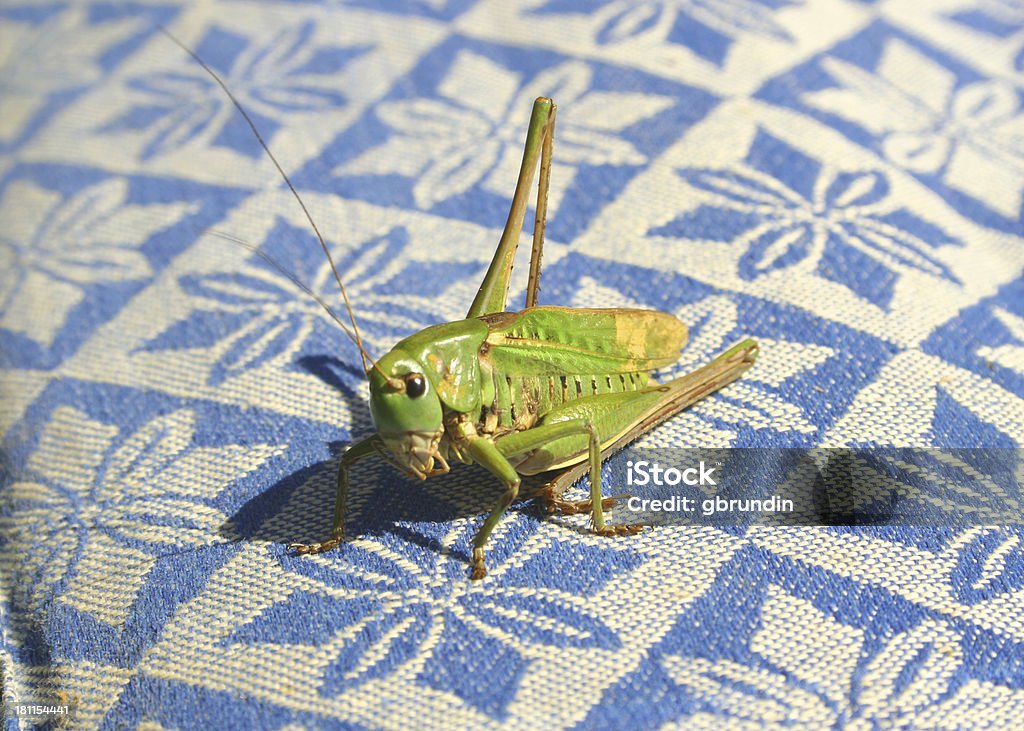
<point>544,389</point>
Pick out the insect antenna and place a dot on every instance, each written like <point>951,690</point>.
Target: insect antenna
<point>354,335</point>
<point>291,277</point>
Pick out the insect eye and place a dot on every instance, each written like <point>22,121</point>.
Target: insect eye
<point>415,385</point>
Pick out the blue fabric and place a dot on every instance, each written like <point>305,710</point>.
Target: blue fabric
<point>841,180</point>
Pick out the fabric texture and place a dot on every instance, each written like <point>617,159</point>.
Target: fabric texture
<point>841,180</point>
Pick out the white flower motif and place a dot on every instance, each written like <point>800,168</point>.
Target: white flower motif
<point>1010,12</point>
<point>971,136</point>
<point>272,79</point>
<point>58,54</point>
<point>475,130</point>
<point>731,18</point>
<point>823,682</point>
<point>268,318</point>
<point>95,499</point>
<point>52,248</point>
<point>853,211</point>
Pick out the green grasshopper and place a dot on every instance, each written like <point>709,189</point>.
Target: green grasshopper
<point>520,393</point>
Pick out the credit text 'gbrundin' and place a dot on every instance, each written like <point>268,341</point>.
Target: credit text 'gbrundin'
<point>709,506</point>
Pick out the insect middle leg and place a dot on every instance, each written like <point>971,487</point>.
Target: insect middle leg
<point>574,430</point>
<point>570,433</point>
<point>494,456</point>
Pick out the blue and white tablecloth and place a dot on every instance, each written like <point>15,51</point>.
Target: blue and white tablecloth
<point>840,179</point>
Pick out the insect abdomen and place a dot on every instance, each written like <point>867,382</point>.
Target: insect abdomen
<point>521,401</point>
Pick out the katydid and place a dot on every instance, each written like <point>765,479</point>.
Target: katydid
<point>520,393</point>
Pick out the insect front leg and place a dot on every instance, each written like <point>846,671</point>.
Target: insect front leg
<point>360,450</point>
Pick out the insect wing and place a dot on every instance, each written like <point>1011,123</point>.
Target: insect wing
<point>551,341</point>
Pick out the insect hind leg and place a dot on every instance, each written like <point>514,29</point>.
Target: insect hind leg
<point>556,504</point>
<point>540,221</point>
<point>676,396</point>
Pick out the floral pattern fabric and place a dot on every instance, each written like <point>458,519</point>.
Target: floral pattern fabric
<point>842,180</point>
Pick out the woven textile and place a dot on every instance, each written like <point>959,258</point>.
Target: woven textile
<point>841,180</point>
